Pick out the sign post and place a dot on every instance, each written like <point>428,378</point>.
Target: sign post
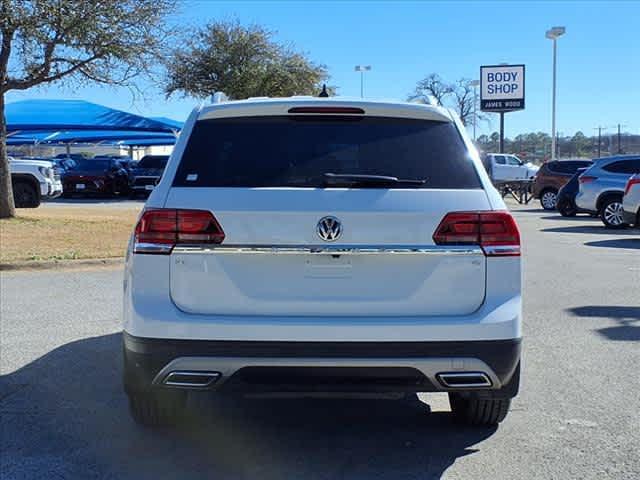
<point>501,91</point>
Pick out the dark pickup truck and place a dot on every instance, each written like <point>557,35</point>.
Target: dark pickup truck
<point>146,175</point>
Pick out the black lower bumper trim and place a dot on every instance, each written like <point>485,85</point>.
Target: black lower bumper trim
<point>629,218</point>
<point>145,357</point>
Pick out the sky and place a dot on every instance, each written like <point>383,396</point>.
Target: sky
<point>598,81</point>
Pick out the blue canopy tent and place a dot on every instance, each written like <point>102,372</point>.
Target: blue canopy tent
<point>55,115</point>
<point>169,121</point>
<point>63,122</point>
<point>85,136</point>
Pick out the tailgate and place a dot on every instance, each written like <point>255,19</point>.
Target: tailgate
<point>273,262</point>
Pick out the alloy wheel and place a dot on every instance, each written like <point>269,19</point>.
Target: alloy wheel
<point>613,214</point>
<point>549,200</point>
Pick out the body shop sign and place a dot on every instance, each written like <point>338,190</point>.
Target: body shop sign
<point>501,88</point>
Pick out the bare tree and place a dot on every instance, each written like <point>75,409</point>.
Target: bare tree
<point>242,61</point>
<point>464,99</point>
<point>432,87</point>
<point>83,41</point>
<point>459,95</point>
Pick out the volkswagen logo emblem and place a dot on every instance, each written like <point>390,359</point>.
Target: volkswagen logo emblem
<point>329,229</point>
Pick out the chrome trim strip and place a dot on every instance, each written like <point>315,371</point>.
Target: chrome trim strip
<point>502,250</point>
<point>211,375</point>
<point>442,377</point>
<point>157,248</point>
<point>331,249</point>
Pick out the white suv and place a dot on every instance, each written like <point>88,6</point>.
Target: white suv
<point>323,245</point>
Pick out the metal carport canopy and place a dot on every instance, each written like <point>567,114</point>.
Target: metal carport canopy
<point>56,115</point>
<point>37,137</point>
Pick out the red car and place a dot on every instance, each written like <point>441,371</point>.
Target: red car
<point>95,177</point>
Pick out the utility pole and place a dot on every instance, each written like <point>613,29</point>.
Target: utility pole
<point>619,138</point>
<point>600,129</point>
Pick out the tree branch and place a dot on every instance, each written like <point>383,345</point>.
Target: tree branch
<point>13,84</point>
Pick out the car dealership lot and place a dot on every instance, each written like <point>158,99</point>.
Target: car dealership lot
<point>63,412</point>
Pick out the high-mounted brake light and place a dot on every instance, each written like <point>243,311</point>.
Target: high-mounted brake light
<point>495,232</point>
<point>586,179</point>
<point>328,110</point>
<point>634,180</point>
<point>159,230</point>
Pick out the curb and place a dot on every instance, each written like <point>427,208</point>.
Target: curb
<point>61,264</point>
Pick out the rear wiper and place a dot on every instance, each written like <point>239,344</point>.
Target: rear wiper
<point>354,179</point>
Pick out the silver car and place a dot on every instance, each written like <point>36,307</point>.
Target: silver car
<point>631,201</point>
<point>602,187</point>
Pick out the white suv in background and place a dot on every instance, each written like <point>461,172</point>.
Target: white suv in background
<point>323,245</point>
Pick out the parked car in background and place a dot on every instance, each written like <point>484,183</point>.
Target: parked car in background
<point>63,165</point>
<point>602,187</point>
<point>89,176</point>
<point>504,167</point>
<point>566,204</point>
<point>551,178</point>
<point>125,160</point>
<point>631,201</point>
<point>146,174</point>
<point>290,248</point>
<point>33,181</point>
<point>74,156</point>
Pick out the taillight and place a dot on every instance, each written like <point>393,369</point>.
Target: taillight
<point>586,179</point>
<point>495,232</point>
<point>159,230</point>
<point>634,180</point>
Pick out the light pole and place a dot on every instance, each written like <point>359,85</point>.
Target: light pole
<point>475,84</point>
<point>362,69</point>
<point>553,34</point>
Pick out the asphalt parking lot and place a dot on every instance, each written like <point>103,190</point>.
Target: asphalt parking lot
<point>63,413</point>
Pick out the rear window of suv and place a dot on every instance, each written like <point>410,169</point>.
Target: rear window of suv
<point>623,166</point>
<point>568,167</point>
<point>289,151</point>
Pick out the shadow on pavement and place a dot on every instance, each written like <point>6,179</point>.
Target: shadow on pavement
<point>596,229</point>
<point>526,210</point>
<point>629,243</point>
<point>578,217</point>
<point>627,318</point>
<point>65,415</point>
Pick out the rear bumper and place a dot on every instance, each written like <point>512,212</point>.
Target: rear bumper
<point>630,218</point>
<point>141,183</point>
<point>90,187</point>
<point>322,366</point>
<point>586,201</point>
<point>570,197</point>
<point>50,189</point>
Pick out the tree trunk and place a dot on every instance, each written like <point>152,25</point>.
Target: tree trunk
<point>7,207</point>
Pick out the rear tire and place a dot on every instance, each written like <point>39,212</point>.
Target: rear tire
<point>611,213</point>
<point>549,199</point>
<point>156,409</point>
<point>25,195</point>
<point>567,209</point>
<point>470,410</point>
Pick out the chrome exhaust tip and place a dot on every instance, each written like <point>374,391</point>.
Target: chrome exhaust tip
<point>464,379</point>
<point>191,379</point>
